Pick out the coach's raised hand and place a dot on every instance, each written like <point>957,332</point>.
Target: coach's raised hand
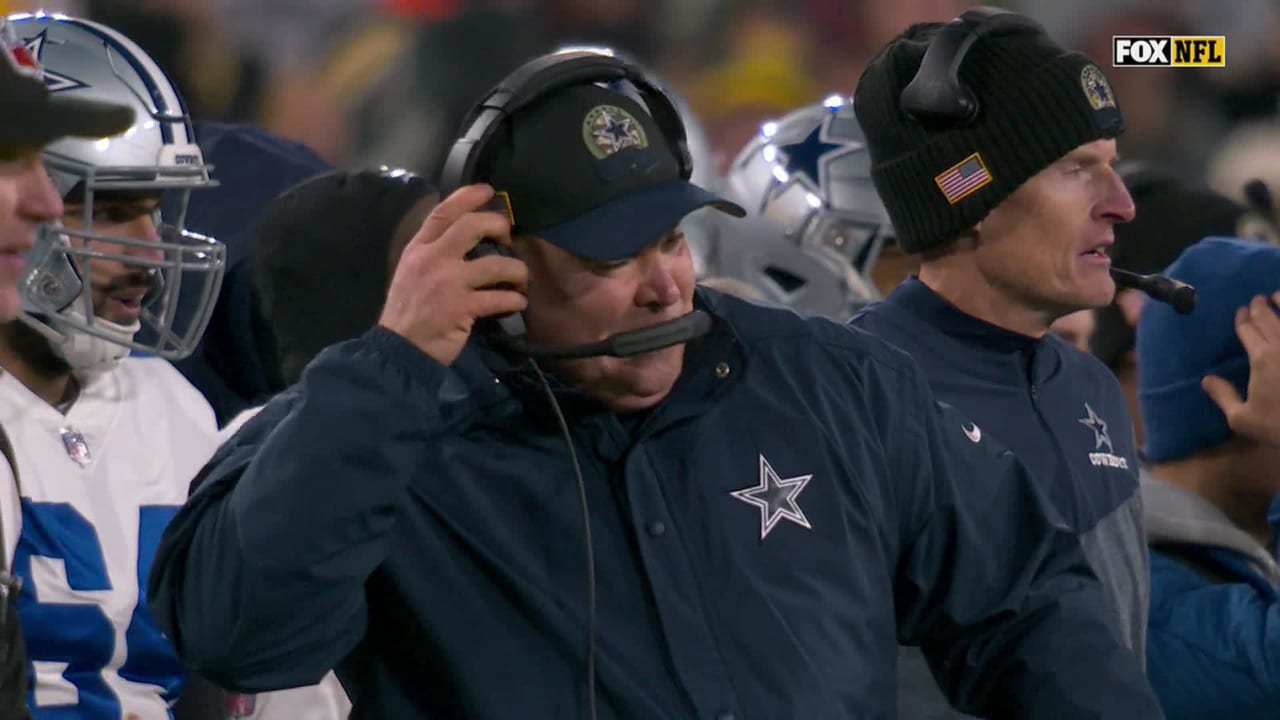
<point>437,294</point>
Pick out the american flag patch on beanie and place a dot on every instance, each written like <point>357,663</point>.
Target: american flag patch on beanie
<point>963,179</point>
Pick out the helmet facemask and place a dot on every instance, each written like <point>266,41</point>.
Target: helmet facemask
<point>58,293</point>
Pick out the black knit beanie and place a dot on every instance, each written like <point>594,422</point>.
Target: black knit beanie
<point>321,256</point>
<point>1037,102</point>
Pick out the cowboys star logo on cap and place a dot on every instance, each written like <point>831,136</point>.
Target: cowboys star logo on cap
<point>1096,88</point>
<point>608,129</point>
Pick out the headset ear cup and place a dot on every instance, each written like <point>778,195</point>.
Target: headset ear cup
<point>936,97</point>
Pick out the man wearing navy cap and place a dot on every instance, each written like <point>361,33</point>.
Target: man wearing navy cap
<point>735,523</point>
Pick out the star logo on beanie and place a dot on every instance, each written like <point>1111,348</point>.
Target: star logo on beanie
<point>1096,88</point>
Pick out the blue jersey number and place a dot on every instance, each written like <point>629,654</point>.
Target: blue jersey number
<point>80,634</point>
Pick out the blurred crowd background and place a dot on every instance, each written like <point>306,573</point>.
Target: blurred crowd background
<point>371,82</point>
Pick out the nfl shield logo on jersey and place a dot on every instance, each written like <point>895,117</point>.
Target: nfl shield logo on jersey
<point>240,706</point>
<point>76,446</point>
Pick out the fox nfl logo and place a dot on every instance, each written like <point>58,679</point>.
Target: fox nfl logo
<point>1169,51</point>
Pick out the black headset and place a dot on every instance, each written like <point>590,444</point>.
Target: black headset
<point>541,77</point>
<point>533,81</point>
<point>935,96</point>
<point>937,99</point>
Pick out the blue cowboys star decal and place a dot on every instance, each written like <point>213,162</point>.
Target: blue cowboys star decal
<point>776,497</point>
<point>1099,428</point>
<point>56,82</point>
<point>807,160</point>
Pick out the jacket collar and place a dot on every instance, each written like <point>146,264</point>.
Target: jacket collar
<point>980,349</point>
<point>918,299</point>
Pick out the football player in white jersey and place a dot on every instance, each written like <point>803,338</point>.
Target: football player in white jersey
<point>108,433</point>
<point>105,445</point>
<point>27,198</point>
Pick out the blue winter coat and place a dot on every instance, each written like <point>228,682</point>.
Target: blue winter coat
<point>1214,634</point>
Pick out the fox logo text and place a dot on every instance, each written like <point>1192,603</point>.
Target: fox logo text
<point>1169,51</point>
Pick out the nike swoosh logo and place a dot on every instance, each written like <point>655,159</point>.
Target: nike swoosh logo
<point>973,432</point>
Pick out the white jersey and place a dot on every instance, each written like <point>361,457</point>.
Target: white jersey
<point>99,485</point>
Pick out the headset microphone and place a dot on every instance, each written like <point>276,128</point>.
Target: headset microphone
<point>624,344</point>
<point>1159,287</point>
<point>690,326</point>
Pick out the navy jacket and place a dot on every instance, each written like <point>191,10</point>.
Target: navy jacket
<point>1060,410</point>
<point>763,540</point>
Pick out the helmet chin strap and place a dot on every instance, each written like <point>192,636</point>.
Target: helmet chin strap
<point>83,351</point>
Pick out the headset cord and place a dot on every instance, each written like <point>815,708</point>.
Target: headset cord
<point>590,549</point>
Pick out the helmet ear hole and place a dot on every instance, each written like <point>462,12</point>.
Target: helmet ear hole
<point>56,287</point>
<point>788,282</point>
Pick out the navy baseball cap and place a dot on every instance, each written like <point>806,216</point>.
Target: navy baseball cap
<point>588,170</point>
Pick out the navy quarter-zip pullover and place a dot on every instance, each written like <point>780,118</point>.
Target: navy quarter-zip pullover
<point>1062,413</point>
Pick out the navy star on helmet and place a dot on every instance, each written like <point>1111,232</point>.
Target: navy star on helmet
<point>54,81</point>
<point>86,60</point>
<point>815,225</point>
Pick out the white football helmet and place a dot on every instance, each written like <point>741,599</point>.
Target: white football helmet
<point>84,59</point>
<point>815,225</point>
